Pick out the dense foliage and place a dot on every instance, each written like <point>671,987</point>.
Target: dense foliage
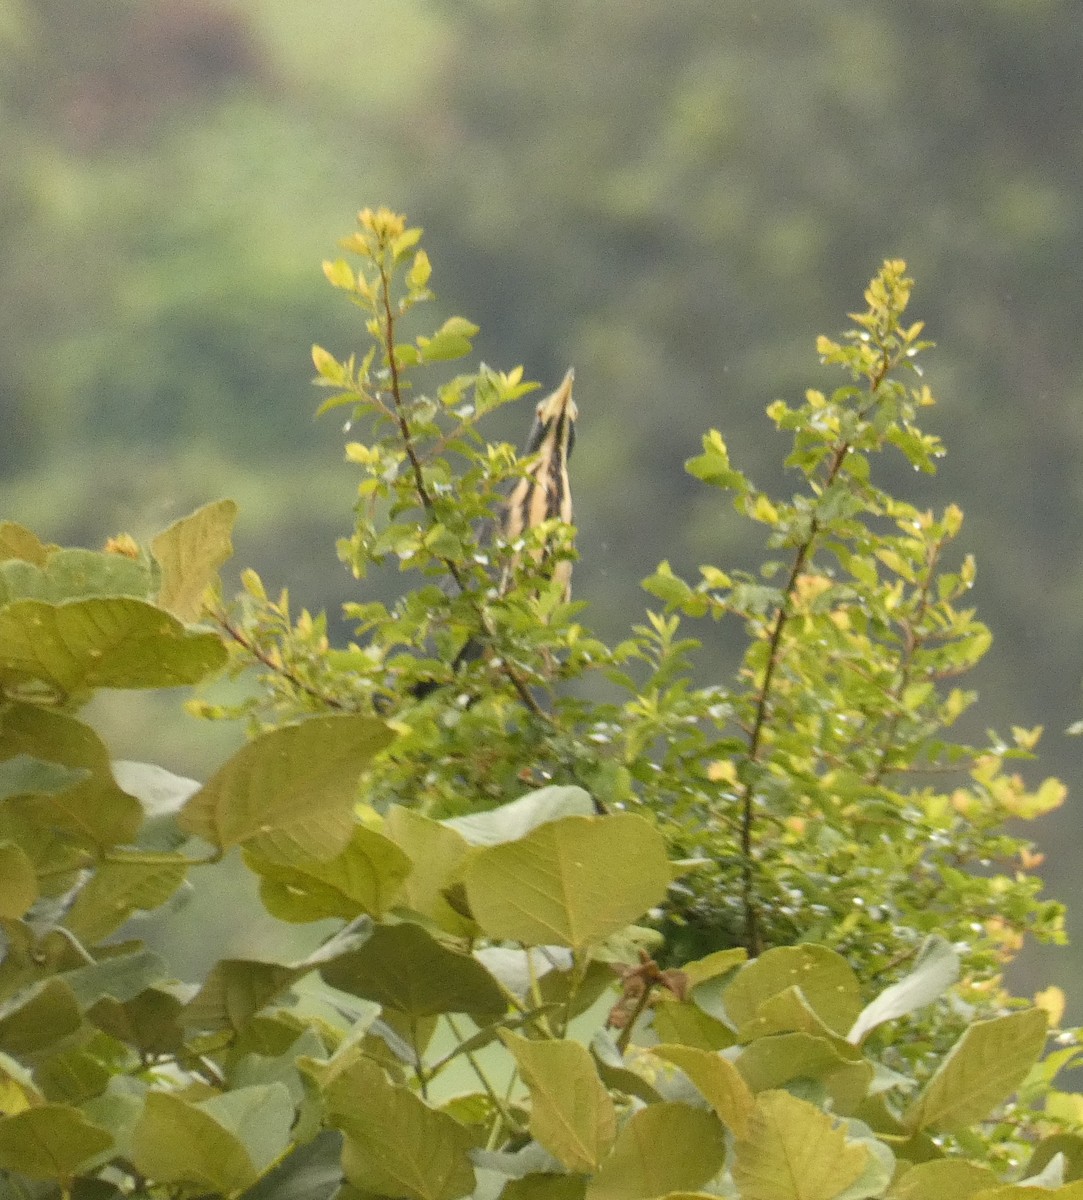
<point>596,929</point>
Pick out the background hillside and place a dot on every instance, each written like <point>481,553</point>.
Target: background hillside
<point>676,199</point>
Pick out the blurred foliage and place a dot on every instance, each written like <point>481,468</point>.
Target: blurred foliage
<point>669,198</point>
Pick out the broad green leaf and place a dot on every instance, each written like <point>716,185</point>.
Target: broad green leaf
<point>1070,1191</point>
<point>713,465</point>
<point>18,542</point>
<point>291,791</point>
<point>190,552</point>
<point>718,964</point>
<point>24,775</point>
<point>235,990</point>
<point>517,818</point>
<point>571,1113</point>
<point>795,1152</point>
<point>982,1070</point>
<point>1068,1145</point>
<point>38,1017</point>
<point>18,883</point>
<point>113,642</point>
<point>51,1141</point>
<point>545,1187</point>
<point>129,881</point>
<point>824,977</point>
<point>718,1081</point>
<point>366,877</point>
<point>616,1071</point>
<point>74,574</point>
<point>121,977</point>
<point>259,1118</point>
<point>396,1145</point>
<point>936,969</point>
<point>687,1024</point>
<point>149,1021</point>
<point>179,1143</point>
<point>662,1148</point>
<point>93,811</point>
<point>785,1012</point>
<point>403,967</point>
<point>771,1062</point>
<point>435,849</point>
<point>944,1179</point>
<point>570,882</point>
<point>312,1171</point>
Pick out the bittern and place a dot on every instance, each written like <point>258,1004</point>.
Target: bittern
<point>542,494</point>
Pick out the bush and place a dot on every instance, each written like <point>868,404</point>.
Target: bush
<point>811,1006</point>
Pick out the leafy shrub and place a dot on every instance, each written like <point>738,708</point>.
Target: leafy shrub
<point>812,1007</point>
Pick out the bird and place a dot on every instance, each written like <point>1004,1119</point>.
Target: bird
<point>543,493</point>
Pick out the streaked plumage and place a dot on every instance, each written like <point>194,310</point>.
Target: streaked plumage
<point>545,492</point>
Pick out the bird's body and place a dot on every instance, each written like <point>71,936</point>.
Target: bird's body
<point>544,493</point>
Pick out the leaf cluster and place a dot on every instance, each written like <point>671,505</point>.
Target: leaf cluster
<point>507,1004</point>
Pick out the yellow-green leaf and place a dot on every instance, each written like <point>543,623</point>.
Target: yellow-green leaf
<point>190,552</point>
<point>982,1070</point>
<point>662,1148</point>
<point>570,882</point>
<point>571,1113</point>
<point>718,1081</point>
<point>50,1141</point>
<point>289,793</point>
<point>795,1152</point>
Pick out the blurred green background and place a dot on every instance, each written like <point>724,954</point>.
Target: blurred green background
<point>675,198</point>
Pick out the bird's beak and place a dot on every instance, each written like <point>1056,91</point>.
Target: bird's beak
<point>559,402</point>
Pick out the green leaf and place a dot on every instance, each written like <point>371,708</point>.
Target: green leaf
<point>771,1062</point>
<point>795,1152</point>
<point>436,850</point>
<point>18,883</point>
<point>116,642</point>
<point>396,1145</point>
<point>289,793</point>
<point>235,990</point>
<point>718,1081</point>
<point>545,1187</point>
<point>18,542</point>
<point>179,1143</point>
<point>38,1017</point>
<point>366,877</point>
<point>93,811</point>
<point>1070,1191</point>
<point>570,882</point>
<point>404,968</point>
<point>190,552</point>
<point>129,881</point>
<point>259,1117</point>
<point>662,1148</point>
<point>713,465</point>
<point>571,1113</point>
<point>517,818</point>
<point>945,1179</point>
<point>51,1141</point>
<point>936,969</point>
<point>982,1070</point>
<point>23,775</point>
<point>121,977</point>
<point>824,977</point>
<point>689,1025</point>
<point>74,573</point>
<point>149,1021</point>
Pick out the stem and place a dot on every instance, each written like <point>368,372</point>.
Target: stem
<point>624,1038</point>
<point>278,668</point>
<point>426,500</point>
<point>753,932</point>
<point>906,664</point>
